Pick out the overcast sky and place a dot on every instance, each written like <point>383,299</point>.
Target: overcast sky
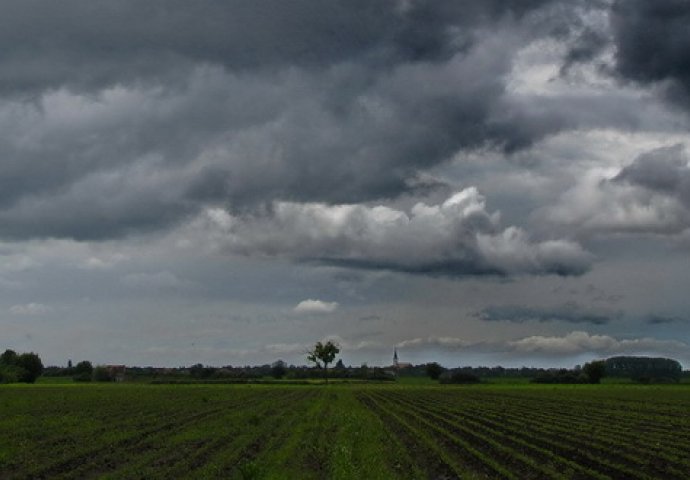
<point>227,182</point>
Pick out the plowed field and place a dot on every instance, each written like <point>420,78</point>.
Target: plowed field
<point>359,432</point>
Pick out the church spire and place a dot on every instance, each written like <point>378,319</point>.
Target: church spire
<point>395,356</point>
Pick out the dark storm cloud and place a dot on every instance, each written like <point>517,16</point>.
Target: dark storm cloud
<point>121,117</point>
<point>92,44</point>
<point>567,313</point>
<point>653,43</point>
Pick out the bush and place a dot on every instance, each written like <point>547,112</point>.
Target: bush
<point>434,370</point>
<point>82,377</point>
<point>83,371</point>
<point>102,374</point>
<point>9,374</point>
<point>561,376</point>
<point>278,371</point>
<point>459,377</point>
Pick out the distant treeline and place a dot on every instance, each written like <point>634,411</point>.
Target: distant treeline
<point>84,372</point>
<point>638,369</point>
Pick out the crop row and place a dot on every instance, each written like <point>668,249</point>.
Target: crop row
<point>572,439</point>
<point>134,437</point>
<point>577,413</point>
<point>202,432</point>
<point>596,433</point>
<point>475,431</point>
<point>342,432</point>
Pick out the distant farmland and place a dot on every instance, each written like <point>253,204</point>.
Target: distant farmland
<point>344,431</point>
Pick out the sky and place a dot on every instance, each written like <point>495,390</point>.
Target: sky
<point>482,182</point>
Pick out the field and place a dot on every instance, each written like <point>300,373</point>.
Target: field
<point>344,431</point>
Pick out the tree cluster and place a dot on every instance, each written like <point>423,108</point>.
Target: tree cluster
<point>434,370</point>
<point>24,367</point>
<point>83,371</point>
<point>645,369</point>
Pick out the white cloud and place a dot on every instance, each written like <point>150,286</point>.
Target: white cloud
<point>30,309</point>
<point>649,195</point>
<point>596,204</point>
<point>315,306</point>
<point>582,342</point>
<point>455,237</point>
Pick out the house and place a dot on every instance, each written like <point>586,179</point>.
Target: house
<point>116,372</point>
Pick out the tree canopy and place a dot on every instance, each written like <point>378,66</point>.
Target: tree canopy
<point>25,367</point>
<point>322,354</point>
<point>644,369</point>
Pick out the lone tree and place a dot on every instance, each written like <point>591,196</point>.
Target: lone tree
<point>323,354</point>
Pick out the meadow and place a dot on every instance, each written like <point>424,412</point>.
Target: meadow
<point>130,431</point>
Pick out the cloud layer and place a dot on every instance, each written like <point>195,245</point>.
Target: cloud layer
<point>455,237</point>
<point>176,176</point>
<point>139,116</point>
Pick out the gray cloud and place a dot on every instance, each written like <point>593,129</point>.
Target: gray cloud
<point>94,44</point>
<point>664,320</point>
<point>456,237</point>
<point>137,116</point>
<point>571,344</point>
<point>649,195</point>
<point>664,170</point>
<point>653,43</point>
<point>568,313</point>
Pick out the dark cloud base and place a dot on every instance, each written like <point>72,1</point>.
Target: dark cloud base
<point>568,313</point>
